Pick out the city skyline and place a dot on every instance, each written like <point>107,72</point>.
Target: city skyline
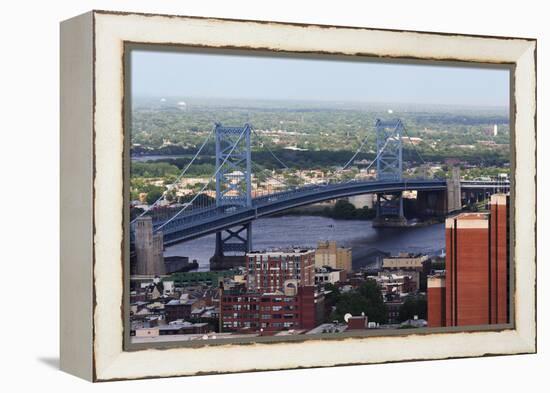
<point>310,210</point>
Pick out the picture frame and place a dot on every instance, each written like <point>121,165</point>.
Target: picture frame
<point>94,165</point>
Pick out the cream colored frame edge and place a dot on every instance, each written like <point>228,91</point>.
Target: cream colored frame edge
<point>91,229</point>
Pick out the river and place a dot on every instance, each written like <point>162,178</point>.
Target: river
<point>306,231</point>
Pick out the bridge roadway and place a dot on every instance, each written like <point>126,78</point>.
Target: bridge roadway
<point>200,222</point>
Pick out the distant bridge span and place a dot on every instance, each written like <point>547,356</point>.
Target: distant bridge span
<point>201,222</point>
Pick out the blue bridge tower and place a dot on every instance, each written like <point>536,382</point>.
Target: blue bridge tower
<point>233,188</point>
<point>389,167</point>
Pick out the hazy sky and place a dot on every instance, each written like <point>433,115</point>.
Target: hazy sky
<point>164,74</point>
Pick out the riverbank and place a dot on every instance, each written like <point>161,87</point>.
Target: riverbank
<point>341,210</point>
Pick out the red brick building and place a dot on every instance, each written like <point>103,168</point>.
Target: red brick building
<point>357,322</point>
<point>268,271</point>
<point>436,301</point>
<point>475,286</point>
<point>294,309</point>
<point>498,263</point>
<point>178,309</point>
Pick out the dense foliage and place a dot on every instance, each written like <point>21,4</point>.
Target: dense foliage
<point>344,210</point>
<point>445,132</point>
<point>365,299</point>
<point>413,306</point>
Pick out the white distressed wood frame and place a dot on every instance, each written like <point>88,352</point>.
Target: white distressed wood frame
<point>92,194</point>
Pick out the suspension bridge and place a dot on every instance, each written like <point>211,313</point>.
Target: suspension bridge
<point>230,211</point>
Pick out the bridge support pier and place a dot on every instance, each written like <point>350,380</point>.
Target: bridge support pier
<point>231,247</point>
<point>389,211</point>
<point>431,203</point>
<point>237,239</point>
<point>454,192</point>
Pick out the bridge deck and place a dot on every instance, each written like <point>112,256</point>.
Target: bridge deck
<point>200,222</point>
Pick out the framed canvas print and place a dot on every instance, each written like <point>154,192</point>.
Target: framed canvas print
<point>249,195</point>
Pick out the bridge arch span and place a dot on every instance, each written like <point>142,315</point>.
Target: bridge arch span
<point>216,219</point>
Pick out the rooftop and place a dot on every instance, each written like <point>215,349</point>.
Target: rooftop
<point>179,324</point>
<point>328,328</point>
<point>177,302</point>
<point>468,221</point>
<point>282,252</point>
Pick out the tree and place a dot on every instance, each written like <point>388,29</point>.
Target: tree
<point>344,210</point>
<point>154,193</point>
<point>438,263</point>
<point>331,298</point>
<point>366,213</point>
<point>333,289</point>
<point>365,299</point>
<point>153,169</point>
<point>413,306</point>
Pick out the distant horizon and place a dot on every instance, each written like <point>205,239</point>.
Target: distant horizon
<point>174,99</point>
<point>144,102</point>
<point>251,77</point>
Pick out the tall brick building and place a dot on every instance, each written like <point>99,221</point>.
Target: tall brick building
<point>279,295</point>
<point>436,301</point>
<point>476,283</point>
<point>292,309</point>
<point>499,301</point>
<point>268,271</point>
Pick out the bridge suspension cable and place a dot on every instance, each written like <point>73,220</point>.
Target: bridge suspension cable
<point>375,158</point>
<point>352,157</point>
<point>412,144</point>
<point>269,176</point>
<point>356,153</point>
<point>363,143</point>
<point>182,173</point>
<point>205,186</point>
<point>269,149</point>
<point>380,152</point>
